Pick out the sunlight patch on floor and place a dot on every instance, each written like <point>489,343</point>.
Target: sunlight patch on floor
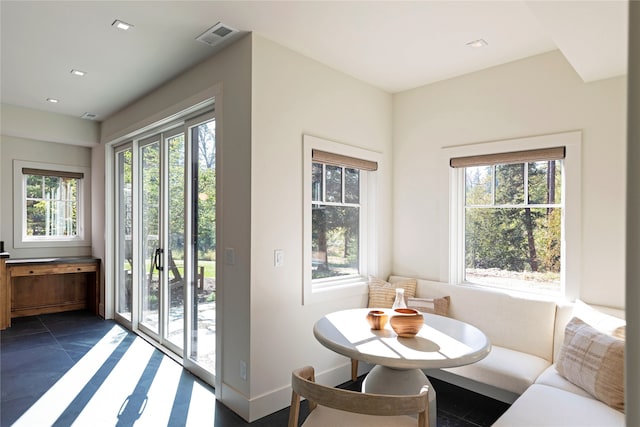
<point>122,382</point>
<point>53,403</point>
<point>117,394</point>
<point>202,409</point>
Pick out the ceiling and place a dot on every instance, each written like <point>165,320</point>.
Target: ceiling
<point>393,45</point>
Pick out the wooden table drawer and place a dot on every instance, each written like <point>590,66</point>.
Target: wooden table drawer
<point>40,269</point>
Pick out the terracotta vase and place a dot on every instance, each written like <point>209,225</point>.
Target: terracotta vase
<point>406,322</point>
<point>377,319</point>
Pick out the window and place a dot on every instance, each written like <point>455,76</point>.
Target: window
<point>50,204</point>
<point>335,223</point>
<point>339,194</point>
<point>509,219</point>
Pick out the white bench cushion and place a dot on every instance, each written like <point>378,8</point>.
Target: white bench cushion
<point>504,368</point>
<point>552,378</point>
<point>543,405</point>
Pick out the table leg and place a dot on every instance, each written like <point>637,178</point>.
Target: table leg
<point>385,380</point>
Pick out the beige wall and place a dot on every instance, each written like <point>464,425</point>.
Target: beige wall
<point>45,126</point>
<point>13,148</point>
<point>535,96</point>
<point>98,242</point>
<point>228,76</point>
<point>270,98</point>
<point>632,350</point>
<point>27,134</point>
<point>44,137</point>
<point>294,95</point>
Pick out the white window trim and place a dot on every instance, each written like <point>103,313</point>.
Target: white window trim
<point>336,288</point>
<point>84,207</point>
<point>571,246</point>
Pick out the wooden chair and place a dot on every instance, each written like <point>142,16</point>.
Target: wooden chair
<point>337,407</point>
<point>354,369</point>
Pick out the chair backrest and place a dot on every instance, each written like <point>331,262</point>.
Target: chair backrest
<point>303,385</point>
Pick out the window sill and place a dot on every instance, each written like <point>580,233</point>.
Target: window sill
<point>518,293</point>
<point>330,291</point>
<point>71,243</point>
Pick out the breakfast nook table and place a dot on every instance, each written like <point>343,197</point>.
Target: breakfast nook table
<point>441,342</point>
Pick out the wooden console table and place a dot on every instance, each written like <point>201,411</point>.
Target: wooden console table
<point>48,285</point>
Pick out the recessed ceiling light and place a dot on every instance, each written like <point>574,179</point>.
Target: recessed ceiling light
<point>53,100</point>
<point>477,43</point>
<point>78,72</point>
<point>121,25</point>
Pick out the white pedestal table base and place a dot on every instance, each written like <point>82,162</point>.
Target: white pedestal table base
<point>385,380</point>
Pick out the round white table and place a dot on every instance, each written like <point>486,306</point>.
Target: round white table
<point>441,343</point>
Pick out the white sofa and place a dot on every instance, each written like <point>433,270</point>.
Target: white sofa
<point>526,334</point>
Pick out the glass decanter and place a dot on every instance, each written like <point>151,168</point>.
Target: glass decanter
<point>399,302</point>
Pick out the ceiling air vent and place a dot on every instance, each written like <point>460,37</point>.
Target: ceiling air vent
<point>89,116</point>
<point>216,34</point>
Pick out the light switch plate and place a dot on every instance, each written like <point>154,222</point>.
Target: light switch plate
<point>229,256</point>
<point>278,258</point>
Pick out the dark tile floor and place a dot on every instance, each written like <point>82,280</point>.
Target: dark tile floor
<point>74,368</point>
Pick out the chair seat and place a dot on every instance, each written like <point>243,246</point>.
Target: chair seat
<point>324,417</point>
<point>335,407</point>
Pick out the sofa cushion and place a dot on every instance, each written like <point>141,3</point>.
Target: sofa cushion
<point>543,405</point>
<point>382,294</point>
<point>430,305</point>
<point>552,378</point>
<point>504,368</point>
<point>593,361</point>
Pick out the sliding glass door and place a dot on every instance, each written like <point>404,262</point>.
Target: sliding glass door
<point>165,240</point>
<point>123,224</point>
<point>175,238</point>
<point>150,256</point>
<point>202,324</point>
<point>162,236</point>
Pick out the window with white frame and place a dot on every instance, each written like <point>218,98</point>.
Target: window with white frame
<point>339,186</point>
<point>509,219</point>
<point>50,204</point>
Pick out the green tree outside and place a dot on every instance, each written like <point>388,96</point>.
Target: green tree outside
<point>513,219</point>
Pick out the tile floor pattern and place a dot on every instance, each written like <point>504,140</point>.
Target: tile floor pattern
<point>77,369</point>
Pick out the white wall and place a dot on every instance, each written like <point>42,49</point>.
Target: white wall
<point>632,350</point>
<point>270,98</point>
<point>46,126</point>
<point>228,74</point>
<point>97,214</point>
<point>14,148</point>
<point>535,96</point>
<point>294,95</point>
<point>45,137</point>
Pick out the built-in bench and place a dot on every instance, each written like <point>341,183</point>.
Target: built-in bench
<point>527,334</point>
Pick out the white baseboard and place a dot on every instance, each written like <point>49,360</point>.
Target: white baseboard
<point>277,399</point>
<point>234,400</point>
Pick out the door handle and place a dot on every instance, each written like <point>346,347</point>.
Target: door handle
<point>157,259</point>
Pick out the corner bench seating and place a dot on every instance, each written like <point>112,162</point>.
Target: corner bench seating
<point>526,334</point>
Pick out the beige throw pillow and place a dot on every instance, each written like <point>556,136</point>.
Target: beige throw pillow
<point>430,305</point>
<point>382,294</point>
<point>593,361</point>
